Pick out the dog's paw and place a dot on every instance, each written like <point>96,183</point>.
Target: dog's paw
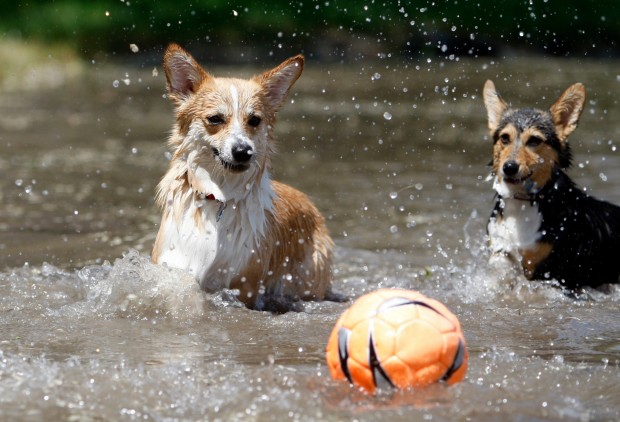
<point>333,296</point>
<point>278,304</point>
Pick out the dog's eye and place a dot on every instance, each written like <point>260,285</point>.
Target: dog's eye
<point>504,138</point>
<point>254,121</point>
<point>215,120</point>
<point>534,141</point>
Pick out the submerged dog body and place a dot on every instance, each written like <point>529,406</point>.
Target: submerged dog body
<point>541,219</point>
<point>224,219</point>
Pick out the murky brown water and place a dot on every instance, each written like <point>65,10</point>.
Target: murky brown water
<point>394,155</point>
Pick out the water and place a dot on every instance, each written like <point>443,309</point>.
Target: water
<point>91,330</point>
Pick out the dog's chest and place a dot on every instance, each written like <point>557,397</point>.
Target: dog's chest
<point>191,238</point>
<point>212,244</point>
<point>517,228</point>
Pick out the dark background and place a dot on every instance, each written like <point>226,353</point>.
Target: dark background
<point>329,30</point>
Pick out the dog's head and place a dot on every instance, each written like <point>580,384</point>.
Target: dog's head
<point>224,125</point>
<point>530,144</point>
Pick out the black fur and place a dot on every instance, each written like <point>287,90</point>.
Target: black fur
<point>584,231</point>
<point>529,117</point>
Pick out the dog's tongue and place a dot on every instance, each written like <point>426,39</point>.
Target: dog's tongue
<point>201,182</point>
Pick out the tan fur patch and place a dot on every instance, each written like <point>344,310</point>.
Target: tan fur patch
<point>296,251</point>
<point>567,110</point>
<point>535,161</point>
<point>503,151</point>
<point>532,257</point>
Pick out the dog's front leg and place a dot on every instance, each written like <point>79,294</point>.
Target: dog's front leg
<point>532,257</point>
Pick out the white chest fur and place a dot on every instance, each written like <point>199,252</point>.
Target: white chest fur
<point>214,249</point>
<point>190,240</point>
<point>517,228</point>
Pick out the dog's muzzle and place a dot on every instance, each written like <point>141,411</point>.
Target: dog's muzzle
<point>241,155</point>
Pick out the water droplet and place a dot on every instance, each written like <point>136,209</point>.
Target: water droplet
<point>393,229</point>
<point>393,195</point>
<point>387,116</point>
<point>134,48</point>
<point>116,83</point>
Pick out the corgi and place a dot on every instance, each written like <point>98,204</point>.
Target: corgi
<point>541,220</point>
<point>223,219</point>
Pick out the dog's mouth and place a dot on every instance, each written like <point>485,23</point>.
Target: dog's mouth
<point>230,165</point>
<point>516,180</point>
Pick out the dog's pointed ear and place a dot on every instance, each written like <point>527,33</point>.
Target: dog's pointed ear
<point>567,110</point>
<point>278,81</point>
<point>494,104</point>
<point>183,74</point>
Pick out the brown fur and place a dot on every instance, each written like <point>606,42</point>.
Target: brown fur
<point>532,257</point>
<point>292,255</point>
<point>535,162</point>
<point>297,245</point>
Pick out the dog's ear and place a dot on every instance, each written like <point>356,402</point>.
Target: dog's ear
<point>567,109</point>
<point>278,81</point>
<point>494,104</point>
<point>183,74</point>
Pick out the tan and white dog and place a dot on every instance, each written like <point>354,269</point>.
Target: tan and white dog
<point>224,219</point>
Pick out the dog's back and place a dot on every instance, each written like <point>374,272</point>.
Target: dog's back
<point>585,233</point>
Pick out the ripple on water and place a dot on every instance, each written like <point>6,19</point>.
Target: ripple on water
<point>136,340</point>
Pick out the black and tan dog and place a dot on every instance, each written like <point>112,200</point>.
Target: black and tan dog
<point>541,219</point>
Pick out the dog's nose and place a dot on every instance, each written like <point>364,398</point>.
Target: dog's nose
<point>242,153</point>
<point>510,168</point>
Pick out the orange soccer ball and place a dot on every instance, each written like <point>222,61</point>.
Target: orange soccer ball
<point>397,338</point>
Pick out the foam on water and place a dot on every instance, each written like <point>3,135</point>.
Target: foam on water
<point>139,341</point>
<point>136,288</point>
<point>132,287</point>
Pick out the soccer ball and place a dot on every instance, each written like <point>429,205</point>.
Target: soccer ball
<point>396,338</point>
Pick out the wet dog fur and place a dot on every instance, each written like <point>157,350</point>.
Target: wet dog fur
<point>224,219</point>
<point>541,220</point>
